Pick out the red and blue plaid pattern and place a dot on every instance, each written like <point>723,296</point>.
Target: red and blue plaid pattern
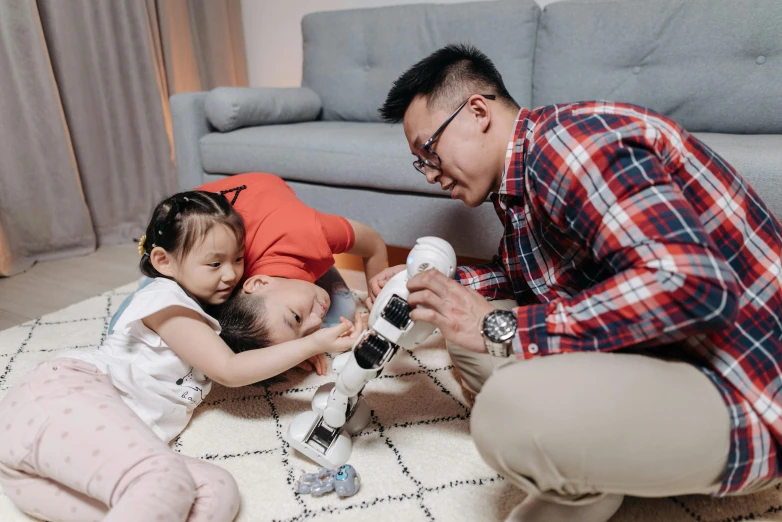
<point>623,230</point>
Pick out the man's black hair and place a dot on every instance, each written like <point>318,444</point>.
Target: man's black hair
<point>446,78</point>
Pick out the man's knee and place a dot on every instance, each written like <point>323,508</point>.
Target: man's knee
<point>575,424</point>
<point>513,424</point>
<point>500,421</point>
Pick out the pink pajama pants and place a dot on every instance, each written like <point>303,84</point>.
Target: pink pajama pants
<point>73,451</point>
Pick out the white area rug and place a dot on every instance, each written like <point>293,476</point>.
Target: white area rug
<point>416,458</point>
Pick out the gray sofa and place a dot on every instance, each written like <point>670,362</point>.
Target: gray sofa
<point>715,66</point>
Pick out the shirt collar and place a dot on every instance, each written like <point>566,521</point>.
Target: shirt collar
<point>514,156</point>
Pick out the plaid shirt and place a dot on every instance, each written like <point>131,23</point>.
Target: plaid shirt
<point>623,230</point>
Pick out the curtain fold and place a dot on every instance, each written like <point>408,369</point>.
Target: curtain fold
<point>43,213</point>
<point>102,58</point>
<point>205,52</point>
<point>85,129</point>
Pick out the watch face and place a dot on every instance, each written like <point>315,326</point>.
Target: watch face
<point>499,326</point>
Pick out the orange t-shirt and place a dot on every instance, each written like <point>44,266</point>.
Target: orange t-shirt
<point>284,237</point>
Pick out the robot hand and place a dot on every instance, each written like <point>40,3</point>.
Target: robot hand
<point>338,407</point>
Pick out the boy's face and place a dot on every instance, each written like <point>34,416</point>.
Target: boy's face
<point>294,308</point>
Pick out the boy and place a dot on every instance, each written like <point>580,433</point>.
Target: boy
<point>288,247</point>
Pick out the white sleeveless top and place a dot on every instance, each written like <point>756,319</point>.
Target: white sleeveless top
<point>153,380</point>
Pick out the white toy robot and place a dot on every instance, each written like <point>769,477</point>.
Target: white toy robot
<point>338,409</point>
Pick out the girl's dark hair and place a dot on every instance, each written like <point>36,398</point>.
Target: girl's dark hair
<point>243,322</point>
<point>179,222</point>
<point>446,77</point>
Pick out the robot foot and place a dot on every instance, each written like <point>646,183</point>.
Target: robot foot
<point>329,447</point>
<point>359,417</point>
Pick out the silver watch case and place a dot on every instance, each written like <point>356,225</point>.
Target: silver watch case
<point>498,330</point>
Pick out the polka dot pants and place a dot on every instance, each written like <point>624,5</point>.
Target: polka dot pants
<point>73,451</point>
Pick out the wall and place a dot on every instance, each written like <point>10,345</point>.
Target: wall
<point>272,35</point>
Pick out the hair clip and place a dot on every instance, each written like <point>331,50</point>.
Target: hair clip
<point>235,189</point>
<point>141,249</point>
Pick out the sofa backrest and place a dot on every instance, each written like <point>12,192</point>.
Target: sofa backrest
<point>352,57</point>
<point>711,65</point>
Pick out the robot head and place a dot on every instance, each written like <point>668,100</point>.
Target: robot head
<point>344,471</point>
<point>431,252</point>
<point>347,481</point>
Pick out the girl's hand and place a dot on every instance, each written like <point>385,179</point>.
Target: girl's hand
<point>316,363</point>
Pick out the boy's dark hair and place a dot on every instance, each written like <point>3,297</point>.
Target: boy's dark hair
<point>180,221</point>
<point>243,321</point>
<point>446,77</point>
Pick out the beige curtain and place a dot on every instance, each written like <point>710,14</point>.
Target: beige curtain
<point>42,208</point>
<point>199,45</point>
<point>85,133</point>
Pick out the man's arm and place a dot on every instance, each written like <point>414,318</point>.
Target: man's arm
<point>488,279</point>
<point>670,280</point>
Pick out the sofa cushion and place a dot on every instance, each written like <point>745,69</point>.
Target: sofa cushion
<point>229,108</point>
<point>352,57</point>
<point>376,156</point>
<point>711,66</point>
<point>373,155</point>
<point>757,158</point>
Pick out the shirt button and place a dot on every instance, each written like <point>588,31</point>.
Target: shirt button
<point>533,348</point>
<point>760,60</point>
<point>636,70</point>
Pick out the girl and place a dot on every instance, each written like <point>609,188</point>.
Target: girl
<point>289,272</point>
<point>85,435</point>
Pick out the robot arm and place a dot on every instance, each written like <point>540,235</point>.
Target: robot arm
<point>390,327</point>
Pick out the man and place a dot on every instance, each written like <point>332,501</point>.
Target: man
<point>633,253</point>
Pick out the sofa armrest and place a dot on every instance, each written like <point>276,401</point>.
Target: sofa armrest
<point>190,124</point>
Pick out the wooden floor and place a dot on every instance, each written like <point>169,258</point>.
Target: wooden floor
<point>52,285</point>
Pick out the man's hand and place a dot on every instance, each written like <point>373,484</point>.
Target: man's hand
<point>456,310</point>
<point>377,283</point>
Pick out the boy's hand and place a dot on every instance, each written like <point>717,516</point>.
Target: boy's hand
<point>359,325</point>
<point>316,363</point>
<point>376,284</point>
<point>340,338</point>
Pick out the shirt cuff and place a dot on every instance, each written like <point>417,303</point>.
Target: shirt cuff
<point>531,337</point>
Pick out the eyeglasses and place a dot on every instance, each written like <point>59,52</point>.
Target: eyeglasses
<point>426,156</point>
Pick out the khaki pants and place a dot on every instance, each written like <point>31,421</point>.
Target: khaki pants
<point>571,428</point>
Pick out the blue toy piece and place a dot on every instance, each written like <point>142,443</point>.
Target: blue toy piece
<point>345,481</point>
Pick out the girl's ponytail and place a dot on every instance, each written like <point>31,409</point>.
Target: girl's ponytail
<point>179,222</point>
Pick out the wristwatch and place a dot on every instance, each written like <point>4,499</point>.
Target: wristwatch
<point>499,328</point>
